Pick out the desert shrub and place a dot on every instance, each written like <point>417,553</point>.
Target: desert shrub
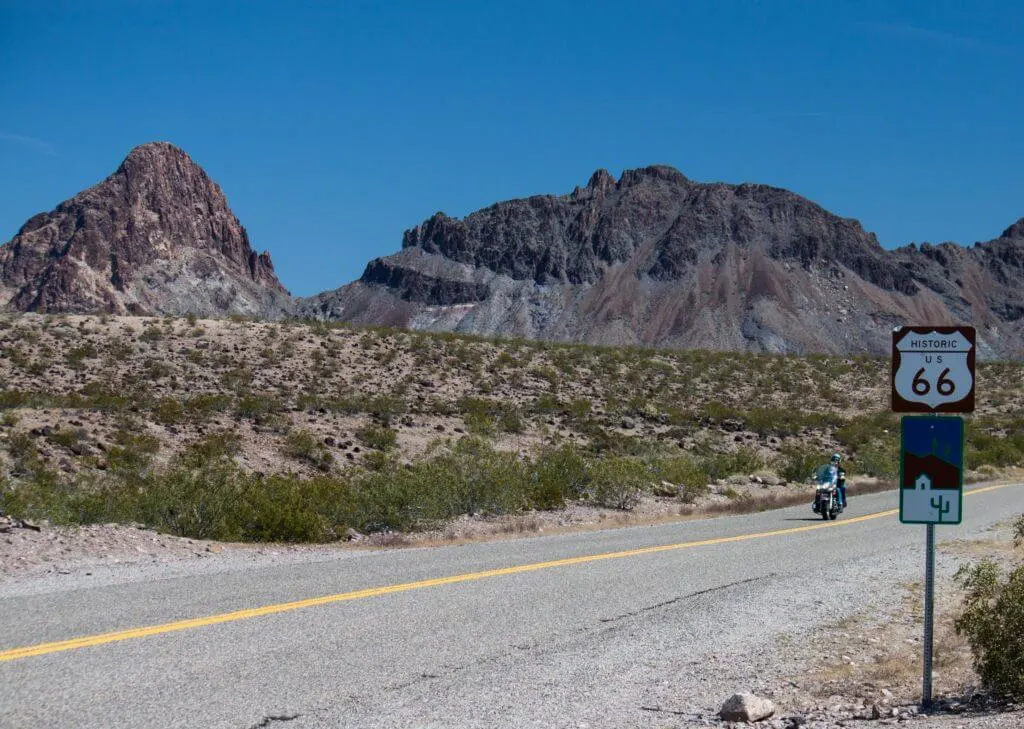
<point>684,471</point>
<point>197,497</point>
<point>987,448</point>
<point>253,406</point>
<point>384,406</point>
<point>617,482</point>
<point>38,494</point>
<point>744,460</point>
<point>66,437</point>
<point>865,429</point>
<point>477,414</point>
<point>547,404</point>
<point>168,411</point>
<point>993,623</point>
<point>578,408</point>
<point>558,474</point>
<point>387,499</point>
<point>380,437</point>
<point>131,453</point>
<point>199,407</point>
<point>151,334</point>
<point>612,443</point>
<point>304,446</point>
<point>511,419</point>
<point>155,369</point>
<point>21,448</point>
<point>472,478</point>
<point>76,356</point>
<point>282,508</point>
<point>101,397</point>
<point>879,459</point>
<point>797,462</point>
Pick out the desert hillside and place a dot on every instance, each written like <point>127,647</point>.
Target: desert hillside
<point>98,407</point>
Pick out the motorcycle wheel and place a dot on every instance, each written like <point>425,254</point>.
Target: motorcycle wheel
<point>824,514</point>
<point>832,515</point>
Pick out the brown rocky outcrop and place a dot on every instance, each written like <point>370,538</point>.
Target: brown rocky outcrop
<point>156,237</point>
<point>656,259</point>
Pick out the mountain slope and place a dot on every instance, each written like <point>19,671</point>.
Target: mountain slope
<point>656,259</point>
<point>156,237</point>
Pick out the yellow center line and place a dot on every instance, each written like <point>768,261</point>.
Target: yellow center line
<point>40,649</point>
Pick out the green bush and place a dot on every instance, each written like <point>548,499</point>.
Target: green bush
<point>683,471</point>
<point>477,414</point>
<point>617,482</point>
<point>511,419</point>
<point>796,463</point>
<point>303,446</point>
<point>988,448</point>
<point>66,437</point>
<point>380,437</point>
<point>744,460</point>
<point>76,356</point>
<point>559,474</point>
<point>168,411</point>
<point>993,622</point>
<point>472,478</point>
<point>879,459</point>
<point>866,429</point>
<point>579,408</point>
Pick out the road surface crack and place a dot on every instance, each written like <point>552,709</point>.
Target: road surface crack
<point>680,598</point>
<point>270,718</point>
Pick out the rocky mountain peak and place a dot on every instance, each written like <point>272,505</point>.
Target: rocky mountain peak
<point>651,173</point>
<point>156,236</point>
<point>1015,231</point>
<point>601,181</point>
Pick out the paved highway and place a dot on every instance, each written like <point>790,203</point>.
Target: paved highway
<point>569,630</point>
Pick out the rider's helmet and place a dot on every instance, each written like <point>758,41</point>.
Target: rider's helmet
<point>836,458</point>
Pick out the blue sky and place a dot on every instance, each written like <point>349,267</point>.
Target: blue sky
<point>332,127</point>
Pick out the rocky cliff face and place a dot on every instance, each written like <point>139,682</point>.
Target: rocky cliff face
<point>656,259</point>
<point>156,237</point>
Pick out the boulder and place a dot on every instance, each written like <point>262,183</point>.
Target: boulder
<point>746,707</point>
<point>666,488</point>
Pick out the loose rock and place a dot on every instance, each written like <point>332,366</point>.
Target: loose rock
<point>746,707</point>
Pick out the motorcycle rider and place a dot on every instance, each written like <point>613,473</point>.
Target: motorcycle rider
<point>835,475</point>
<point>838,476</point>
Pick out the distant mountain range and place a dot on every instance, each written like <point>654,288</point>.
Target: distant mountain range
<point>652,258</point>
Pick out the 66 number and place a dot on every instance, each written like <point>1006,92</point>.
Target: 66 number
<point>945,386</point>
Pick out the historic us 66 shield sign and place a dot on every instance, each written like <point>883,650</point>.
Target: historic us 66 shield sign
<point>933,369</point>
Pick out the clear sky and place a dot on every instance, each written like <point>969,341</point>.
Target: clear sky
<point>334,126</point>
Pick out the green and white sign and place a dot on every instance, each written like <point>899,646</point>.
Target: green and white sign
<point>932,470</point>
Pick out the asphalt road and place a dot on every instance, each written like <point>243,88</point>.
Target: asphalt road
<point>486,634</point>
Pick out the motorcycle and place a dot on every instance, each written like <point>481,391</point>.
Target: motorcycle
<point>826,495</point>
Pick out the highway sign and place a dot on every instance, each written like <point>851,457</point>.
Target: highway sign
<point>931,470</point>
<point>933,369</point>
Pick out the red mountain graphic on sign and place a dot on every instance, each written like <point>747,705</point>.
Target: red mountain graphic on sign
<point>943,475</point>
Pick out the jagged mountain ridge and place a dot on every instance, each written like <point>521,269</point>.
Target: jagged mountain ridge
<point>652,258</point>
<point>155,237</point>
<point>659,260</point>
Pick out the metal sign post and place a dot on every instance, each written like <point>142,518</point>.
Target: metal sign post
<point>932,372</point>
